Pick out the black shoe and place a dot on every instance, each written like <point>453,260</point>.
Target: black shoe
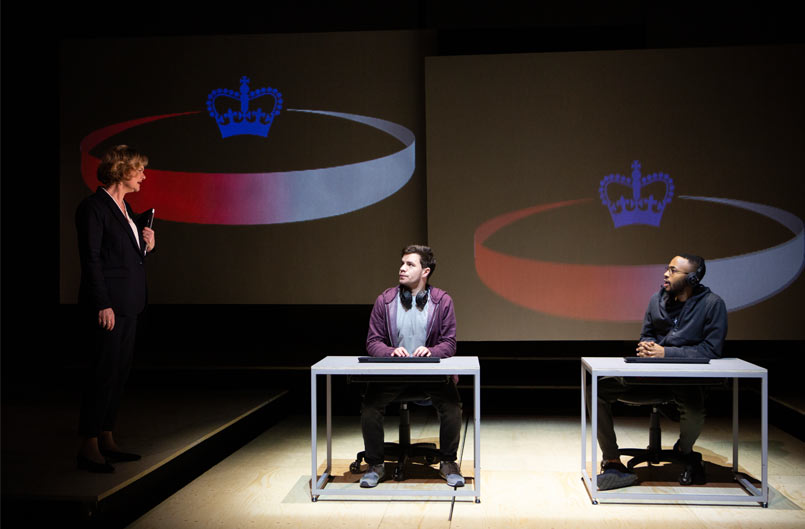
<point>614,475</point>
<point>694,473</point>
<point>119,457</point>
<point>84,463</point>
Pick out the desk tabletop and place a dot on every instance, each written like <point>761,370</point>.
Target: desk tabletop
<point>349,365</point>
<point>718,367</point>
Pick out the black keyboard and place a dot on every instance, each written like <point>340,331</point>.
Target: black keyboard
<point>399,359</point>
<point>664,360</point>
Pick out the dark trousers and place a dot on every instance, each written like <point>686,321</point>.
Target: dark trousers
<point>112,353</point>
<point>689,401</point>
<point>444,398</point>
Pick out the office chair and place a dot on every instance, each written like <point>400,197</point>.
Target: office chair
<point>404,450</point>
<point>654,454</point>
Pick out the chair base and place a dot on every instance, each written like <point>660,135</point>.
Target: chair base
<point>652,457</point>
<point>402,455</point>
<point>693,472</point>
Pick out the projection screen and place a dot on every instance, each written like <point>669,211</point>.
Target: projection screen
<point>560,185</point>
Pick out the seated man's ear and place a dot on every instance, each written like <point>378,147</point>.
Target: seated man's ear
<point>426,272</point>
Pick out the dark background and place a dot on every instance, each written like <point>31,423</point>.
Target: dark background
<point>221,344</point>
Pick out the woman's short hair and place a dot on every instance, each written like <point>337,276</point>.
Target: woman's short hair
<point>117,162</point>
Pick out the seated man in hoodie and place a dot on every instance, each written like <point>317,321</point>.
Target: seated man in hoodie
<point>412,319</point>
<point>684,319</point>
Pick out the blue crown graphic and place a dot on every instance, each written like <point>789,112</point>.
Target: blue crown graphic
<point>244,121</point>
<point>637,209</point>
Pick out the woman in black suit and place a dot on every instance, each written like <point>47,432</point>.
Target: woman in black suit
<point>112,294</point>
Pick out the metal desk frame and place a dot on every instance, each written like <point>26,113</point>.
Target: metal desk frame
<point>718,368</point>
<point>349,365</point>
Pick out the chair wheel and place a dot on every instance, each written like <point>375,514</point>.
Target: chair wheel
<point>355,467</point>
<point>398,475</point>
<point>686,477</point>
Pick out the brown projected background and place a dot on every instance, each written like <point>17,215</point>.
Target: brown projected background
<point>347,258</point>
<point>509,132</point>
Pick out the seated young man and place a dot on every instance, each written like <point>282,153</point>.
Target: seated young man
<point>412,319</point>
<point>683,319</point>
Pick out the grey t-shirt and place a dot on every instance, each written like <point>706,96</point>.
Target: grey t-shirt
<point>412,325</point>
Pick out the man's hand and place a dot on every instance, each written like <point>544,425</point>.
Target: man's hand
<point>650,349</point>
<point>400,351</point>
<point>422,351</point>
<point>106,319</point>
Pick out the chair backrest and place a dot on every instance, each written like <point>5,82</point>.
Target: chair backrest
<point>400,379</point>
<point>651,391</point>
<point>647,399</point>
<point>414,393</point>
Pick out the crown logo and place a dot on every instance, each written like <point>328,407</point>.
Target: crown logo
<point>244,121</point>
<point>637,209</point>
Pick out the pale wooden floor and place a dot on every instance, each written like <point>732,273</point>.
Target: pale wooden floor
<point>530,478</point>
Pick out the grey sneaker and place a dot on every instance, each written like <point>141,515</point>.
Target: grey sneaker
<point>373,476</point>
<point>450,472</point>
<point>614,476</point>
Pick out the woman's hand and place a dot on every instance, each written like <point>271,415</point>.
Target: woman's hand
<point>149,238</point>
<point>106,319</point>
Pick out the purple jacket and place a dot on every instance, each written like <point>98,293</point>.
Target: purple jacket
<point>441,332</point>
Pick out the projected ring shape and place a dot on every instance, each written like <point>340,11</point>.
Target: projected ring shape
<point>621,293</point>
<point>265,198</point>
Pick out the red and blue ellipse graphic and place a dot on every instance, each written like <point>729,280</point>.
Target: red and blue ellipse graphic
<point>621,292</point>
<point>264,198</point>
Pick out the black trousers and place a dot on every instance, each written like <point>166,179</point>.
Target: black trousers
<point>111,358</point>
<point>445,399</point>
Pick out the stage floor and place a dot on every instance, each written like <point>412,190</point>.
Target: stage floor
<point>530,478</point>
<point>40,440</point>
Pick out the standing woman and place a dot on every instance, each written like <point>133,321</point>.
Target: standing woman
<point>111,296</point>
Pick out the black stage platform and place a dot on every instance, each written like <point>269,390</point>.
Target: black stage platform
<point>180,432</point>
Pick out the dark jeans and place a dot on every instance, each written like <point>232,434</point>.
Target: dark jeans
<point>112,353</point>
<point>689,401</point>
<point>444,398</point>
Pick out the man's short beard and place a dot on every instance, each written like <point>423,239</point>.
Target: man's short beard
<point>676,289</point>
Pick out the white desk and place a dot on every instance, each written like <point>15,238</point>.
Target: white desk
<point>725,367</point>
<point>349,365</point>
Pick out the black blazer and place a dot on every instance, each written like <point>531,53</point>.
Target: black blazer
<point>112,263</point>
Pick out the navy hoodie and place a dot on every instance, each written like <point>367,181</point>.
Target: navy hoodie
<point>698,331</point>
